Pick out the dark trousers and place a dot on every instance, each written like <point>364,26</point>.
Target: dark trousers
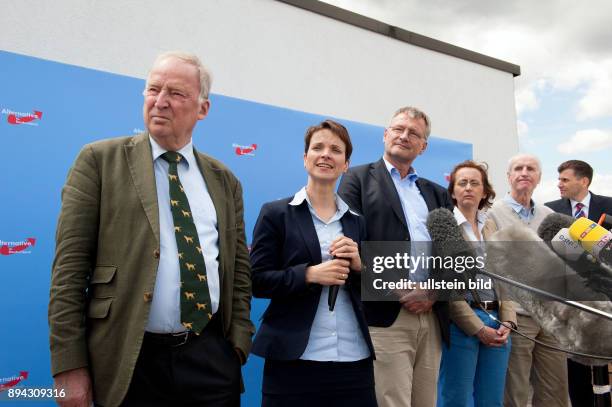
<point>303,383</point>
<point>580,385</point>
<point>205,371</point>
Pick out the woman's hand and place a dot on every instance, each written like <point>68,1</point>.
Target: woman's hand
<point>345,248</point>
<point>491,337</point>
<point>332,272</point>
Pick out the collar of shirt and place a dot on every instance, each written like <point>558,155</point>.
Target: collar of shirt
<point>186,152</point>
<point>519,208</point>
<point>411,177</point>
<point>586,202</point>
<point>302,196</point>
<point>460,218</point>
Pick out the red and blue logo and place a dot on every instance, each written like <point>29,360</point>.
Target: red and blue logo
<point>8,382</point>
<point>17,118</point>
<point>245,150</point>
<point>21,247</point>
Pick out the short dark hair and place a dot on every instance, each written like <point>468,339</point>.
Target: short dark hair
<point>581,169</point>
<point>489,193</point>
<point>336,128</point>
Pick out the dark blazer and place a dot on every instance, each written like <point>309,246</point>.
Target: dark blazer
<point>599,204</point>
<point>285,243</point>
<point>369,190</point>
<point>107,256</point>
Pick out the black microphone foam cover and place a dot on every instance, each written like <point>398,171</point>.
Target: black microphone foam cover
<point>443,227</point>
<point>447,241</point>
<point>552,224</point>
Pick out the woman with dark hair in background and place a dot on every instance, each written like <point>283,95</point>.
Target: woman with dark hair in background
<point>302,247</point>
<point>475,363</point>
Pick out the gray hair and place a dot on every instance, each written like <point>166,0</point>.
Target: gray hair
<point>516,157</point>
<point>415,113</point>
<point>203,72</point>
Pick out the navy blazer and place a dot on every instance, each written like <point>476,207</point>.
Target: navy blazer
<point>285,243</point>
<point>599,204</point>
<point>369,190</point>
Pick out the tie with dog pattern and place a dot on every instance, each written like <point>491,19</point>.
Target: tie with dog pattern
<point>196,308</point>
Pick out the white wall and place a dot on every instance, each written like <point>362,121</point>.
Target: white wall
<point>271,52</point>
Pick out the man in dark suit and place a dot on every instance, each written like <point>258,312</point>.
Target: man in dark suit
<point>575,177</point>
<point>150,289</point>
<point>395,202</point>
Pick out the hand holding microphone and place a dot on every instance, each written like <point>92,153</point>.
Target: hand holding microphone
<point>335,272</point>
<point>345,248</point>
<point>332,272</point>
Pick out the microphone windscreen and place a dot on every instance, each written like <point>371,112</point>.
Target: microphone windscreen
<point>593,238</point>
<point>551,225</point>
<point>565,247</point>
<point>447,241</point>
<point>442,226</point>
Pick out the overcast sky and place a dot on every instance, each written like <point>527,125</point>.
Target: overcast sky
<point>564,49</point>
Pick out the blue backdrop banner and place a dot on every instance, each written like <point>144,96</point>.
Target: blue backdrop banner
<point>50,110</point>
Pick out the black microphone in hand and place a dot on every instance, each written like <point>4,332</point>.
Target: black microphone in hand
<point>333,293</point>
<point>332,296</point>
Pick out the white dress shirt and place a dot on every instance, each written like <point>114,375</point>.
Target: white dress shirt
<point>586,202</point>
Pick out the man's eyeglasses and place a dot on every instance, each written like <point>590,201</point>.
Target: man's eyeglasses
<point>399,131</point>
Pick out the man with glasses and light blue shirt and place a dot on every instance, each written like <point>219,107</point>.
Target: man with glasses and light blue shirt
<point>395,203</point>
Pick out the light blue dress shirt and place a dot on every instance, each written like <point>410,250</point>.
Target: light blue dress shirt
<point>334,336</point>
<point>526,215</point>
<point>415,212</point>
<point>165,314</point>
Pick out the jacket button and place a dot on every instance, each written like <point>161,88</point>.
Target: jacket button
<point>148,296</point>
<point>156,253</point>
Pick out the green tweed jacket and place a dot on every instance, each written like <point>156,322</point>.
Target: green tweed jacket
<point>106,259</point>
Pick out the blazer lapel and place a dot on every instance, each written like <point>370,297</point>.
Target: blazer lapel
<point>307,230</point>
<point>427,193</point>
<point>382,176</point>
<point>567,207</point>
<point>215,183</point>
<point>350,228</point>
<point>139,158</point>
<point>595,208</point>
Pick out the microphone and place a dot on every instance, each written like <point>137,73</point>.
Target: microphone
<point>554,231</point>
<point>574,328</point>
<point>447,241</point>
<point>563,244</point>
<point>332,295</point>
<point>552,224</point>
<point>605,221</point>
<point>593,238</point>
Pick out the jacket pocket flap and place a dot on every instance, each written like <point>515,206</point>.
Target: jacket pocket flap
<point>103,274</point>
<point>99,307</point>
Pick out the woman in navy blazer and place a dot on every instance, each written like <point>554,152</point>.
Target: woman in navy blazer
<point>302,246</point>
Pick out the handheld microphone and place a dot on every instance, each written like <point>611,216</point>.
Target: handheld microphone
<point>596,276</point>
<point>593,238</point>
<point>563,244</point>
<point>447,241</point>
<point>552,224</point>
<point>332,295</point>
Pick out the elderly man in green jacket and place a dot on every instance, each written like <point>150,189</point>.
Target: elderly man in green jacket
<point>150,290</point>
